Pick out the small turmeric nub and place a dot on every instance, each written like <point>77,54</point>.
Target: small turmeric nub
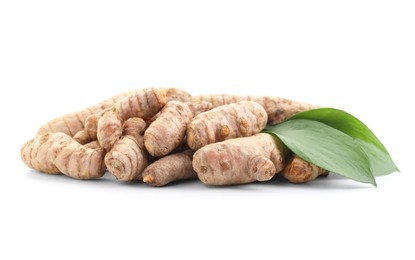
<point>300,171</point>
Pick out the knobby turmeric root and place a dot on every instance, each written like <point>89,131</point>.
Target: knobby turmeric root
<point>72,123</point>
<point>117,134</point>
<point>173,167</point>
<point>169,128</point>
<point>239,160</point>
<point>143,103</point>
<point>109,130</point>
<point>56,153</point>
<point>241,119</point>
<point>127,159</point>
<point>299,171</point>
<point>278,109</point>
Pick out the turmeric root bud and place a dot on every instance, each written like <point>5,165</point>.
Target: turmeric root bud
<point>300,171</point>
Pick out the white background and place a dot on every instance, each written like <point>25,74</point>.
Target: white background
<point>60,56</point>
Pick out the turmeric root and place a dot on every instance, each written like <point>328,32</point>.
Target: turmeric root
<point>299,171</point>
<point>90,132</point>
<point>56,153</point>
<point>169,128</point>
<point>135,127</point>
<point>127,160</point>
<point>72,123</point>
<point>241,119</point>
<point>109,130</point>
<point>278,109</point>
<point>239,160</point>
<point>173,167</point>
<point>143,103</point>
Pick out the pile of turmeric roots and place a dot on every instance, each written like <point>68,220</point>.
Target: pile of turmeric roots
<point>162,135</point>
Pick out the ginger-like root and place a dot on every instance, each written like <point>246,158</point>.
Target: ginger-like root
<point>278,109</point>
<point>127,159</point>
<point>90,132</point>
<point>169,128</point>
<point>72,123</point>
<point>135,127</point>
<point>143,103</point>
<point>239,160</point>
<point>299,171</point>
<point>241,119</point>
<point>173,167</point>
<point>56,153</point>
<point>109,130</point>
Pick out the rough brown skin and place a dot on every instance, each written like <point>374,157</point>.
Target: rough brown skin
<point>56,153</point>
<point>127,159</point>
<point>173,167</point>
<point>90,132</point>
<point>72,123</point>
<point>143,103</point>
<point>135,127</point>
<point>82,137</point>
<point>109,130</point>
<point>239,160</point>
<point>299,171</point>
<point>241,119</point>
<point>199,107</point>
<point>278,109</point>
<point>169,128</point>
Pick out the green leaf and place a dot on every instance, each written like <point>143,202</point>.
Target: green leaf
<point>326,147</point>
<point>381,162</point>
